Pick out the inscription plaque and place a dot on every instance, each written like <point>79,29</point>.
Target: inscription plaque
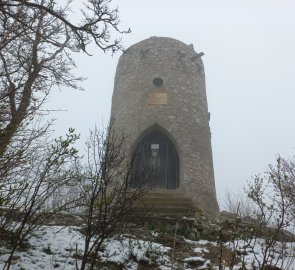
<point>158,99</point>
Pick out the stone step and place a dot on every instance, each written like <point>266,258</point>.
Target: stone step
<point>164,203</point>
<point>164,212</point>
<point>165,199</point>
<point>169,215</point>
<point>164,193</point>
<point>169,209</point>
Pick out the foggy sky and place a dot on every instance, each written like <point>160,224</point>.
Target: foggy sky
<point>249,61</point>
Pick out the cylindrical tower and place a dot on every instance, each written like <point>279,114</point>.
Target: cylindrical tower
<point>160,103</point>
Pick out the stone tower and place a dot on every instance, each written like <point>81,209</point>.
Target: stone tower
<point>160,103</point>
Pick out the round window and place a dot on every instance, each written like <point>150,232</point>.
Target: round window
<point>158,82</point>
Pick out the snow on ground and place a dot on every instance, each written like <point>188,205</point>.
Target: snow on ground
<point>250,254</point>
<point>122,250</point>
<point>255,250</point>
<point>53,247</point>
<point>201,250</point>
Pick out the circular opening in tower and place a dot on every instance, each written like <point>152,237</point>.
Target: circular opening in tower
<point>158,82</point>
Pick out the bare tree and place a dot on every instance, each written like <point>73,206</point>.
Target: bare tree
<point>37,38</point>
<point>107,190</point>
<point>272,213</point>
<point>288,166</point>
<point>238,203</point>
<point>272,198</point>
<point>27,196</point>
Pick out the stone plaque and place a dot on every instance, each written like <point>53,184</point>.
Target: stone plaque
<point>157,99</point>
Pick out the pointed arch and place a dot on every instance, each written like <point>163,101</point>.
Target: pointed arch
<point>156,158</point>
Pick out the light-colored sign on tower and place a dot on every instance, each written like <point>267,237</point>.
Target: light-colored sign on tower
<point>160,103</point>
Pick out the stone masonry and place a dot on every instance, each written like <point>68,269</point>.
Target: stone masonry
<point>177,106</point>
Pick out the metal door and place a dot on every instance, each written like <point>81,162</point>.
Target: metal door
<point>156,161</point>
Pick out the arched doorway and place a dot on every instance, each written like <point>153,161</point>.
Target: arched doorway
<point>156,160</point>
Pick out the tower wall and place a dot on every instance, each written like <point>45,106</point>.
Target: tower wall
<point>178,106</point>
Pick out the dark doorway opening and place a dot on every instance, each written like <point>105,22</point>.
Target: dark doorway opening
<point>156,160</point>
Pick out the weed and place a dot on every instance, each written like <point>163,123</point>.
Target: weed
<point>47,250</point>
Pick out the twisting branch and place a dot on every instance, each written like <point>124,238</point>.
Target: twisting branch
<point>36,40</point>
<point>106,190</point>
<point>97,19</point>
